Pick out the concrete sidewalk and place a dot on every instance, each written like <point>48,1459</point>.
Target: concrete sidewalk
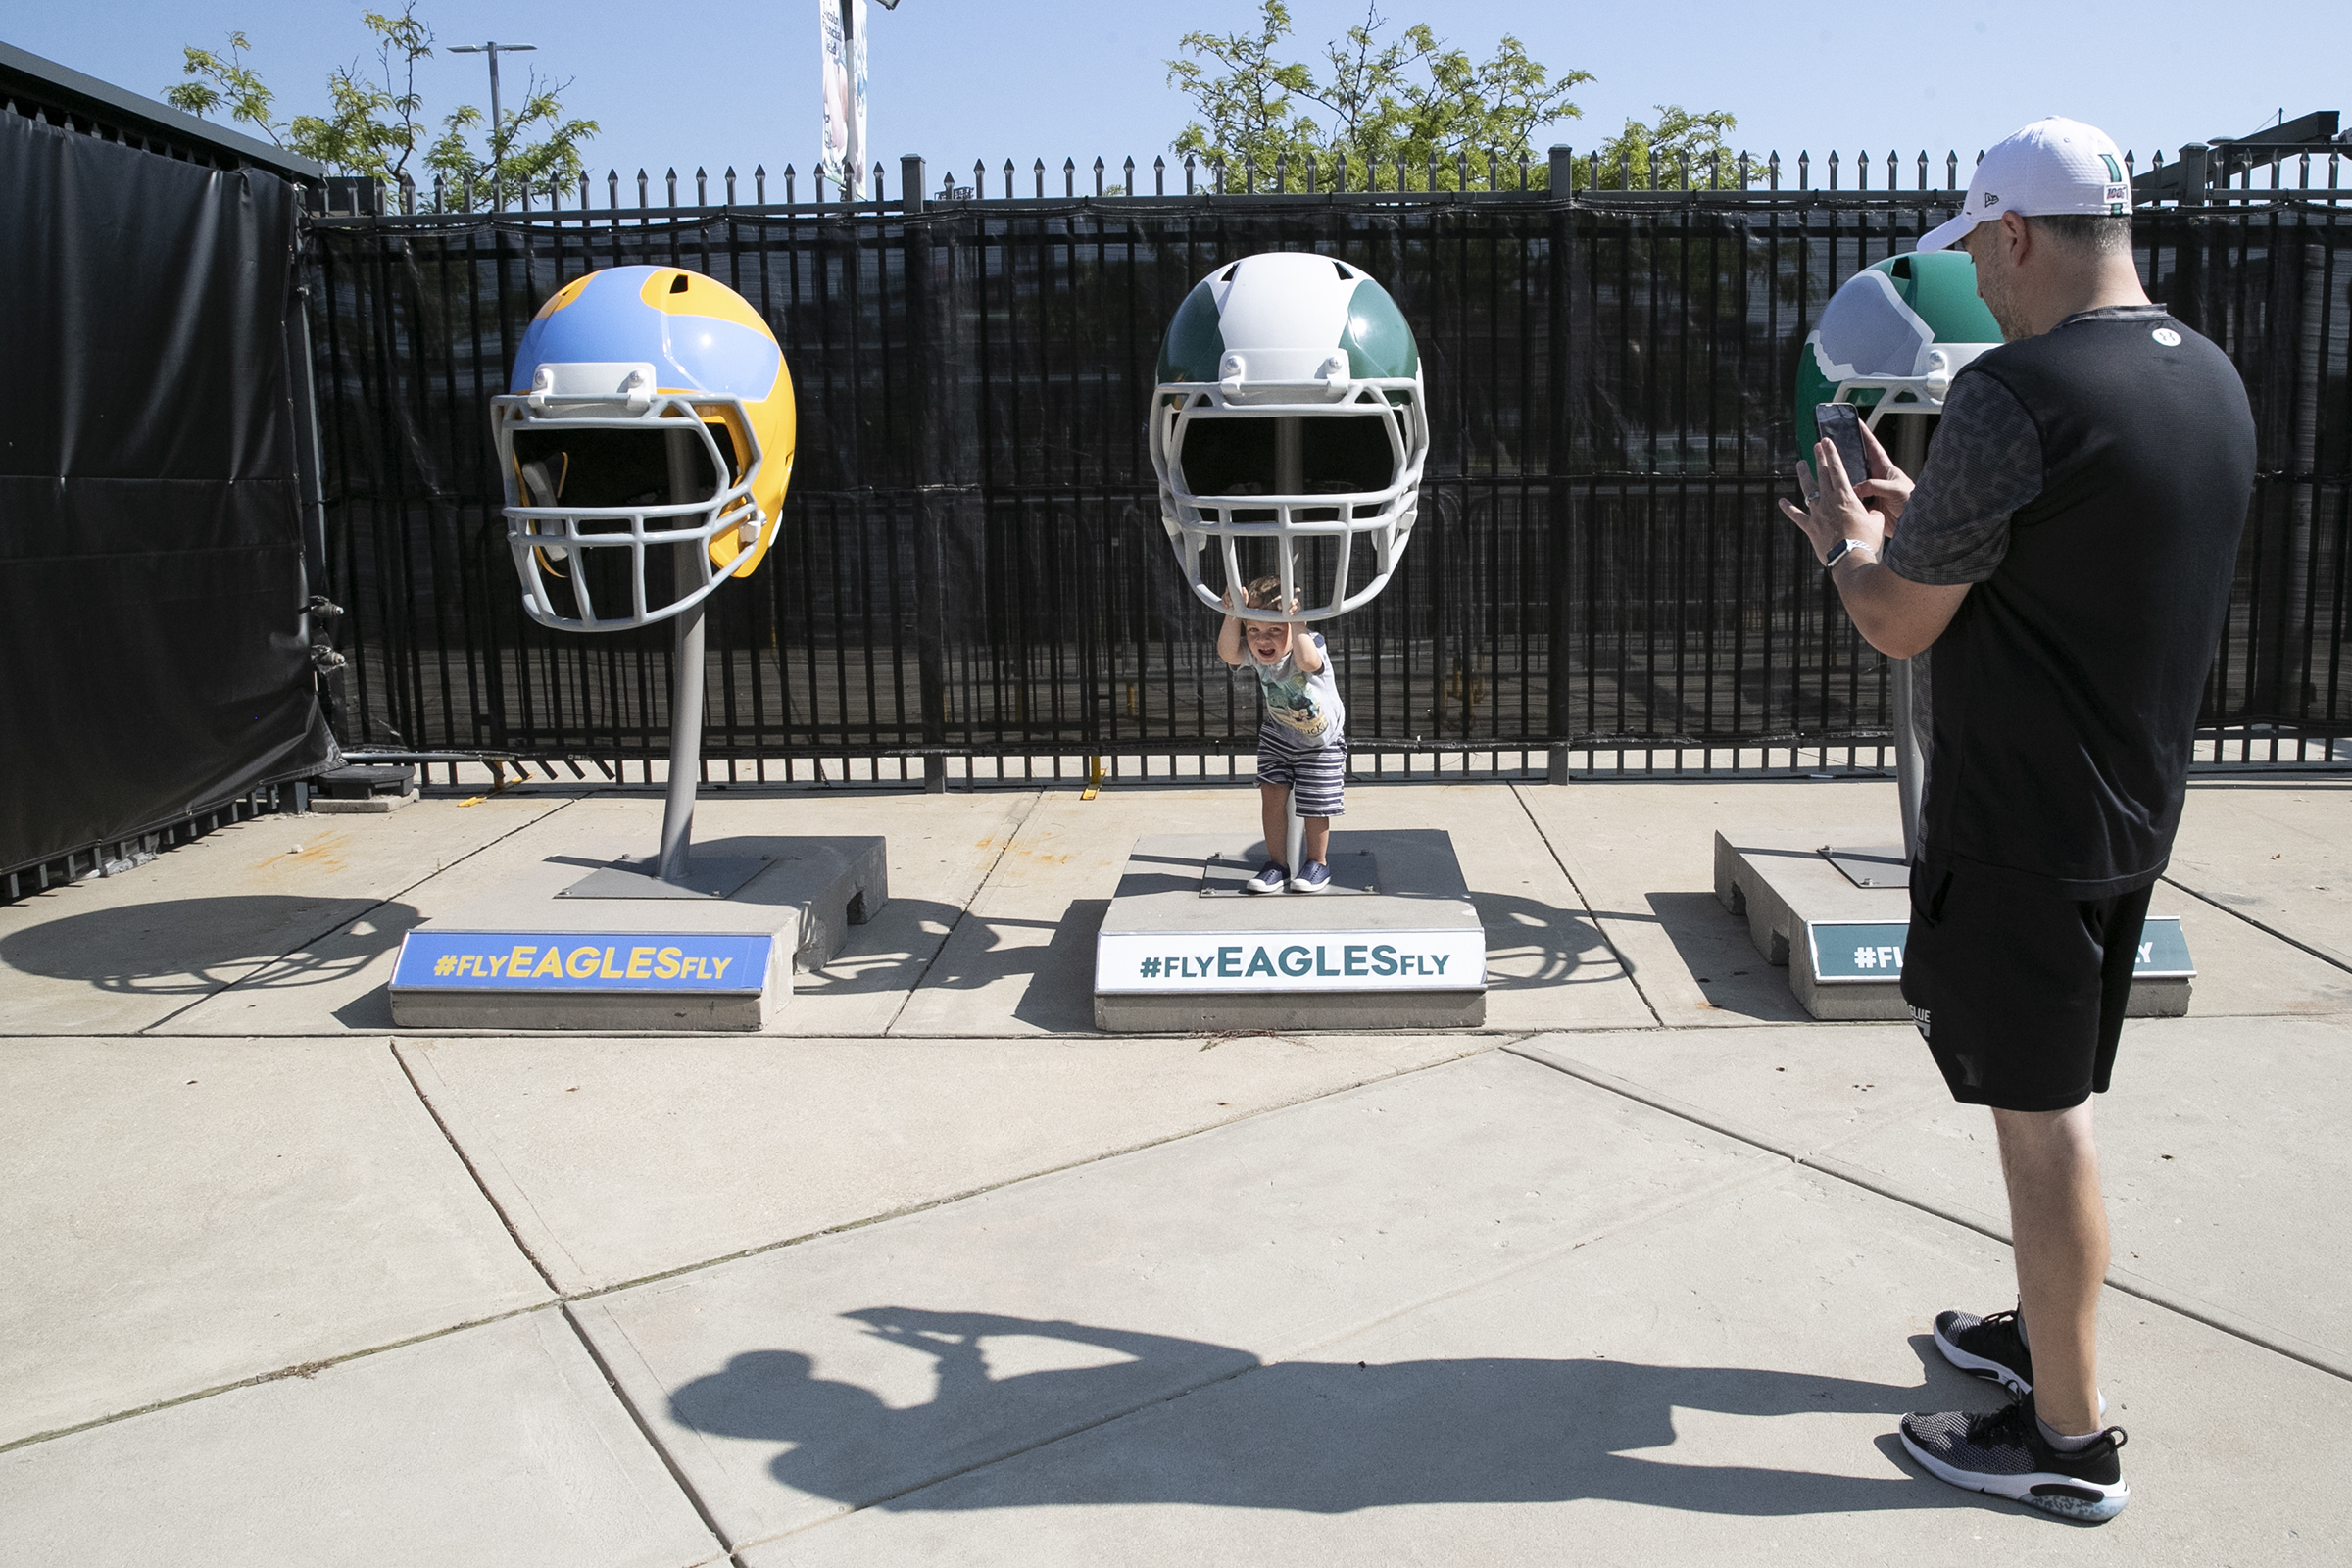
<point>934,1273</point>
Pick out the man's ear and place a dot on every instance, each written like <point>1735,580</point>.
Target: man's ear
<point>2017,237</point>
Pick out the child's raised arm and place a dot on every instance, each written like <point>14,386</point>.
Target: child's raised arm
<point>1303,647</point>
<point>1229,635</point>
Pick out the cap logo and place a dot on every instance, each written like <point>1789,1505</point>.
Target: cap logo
<point>1992,197</point>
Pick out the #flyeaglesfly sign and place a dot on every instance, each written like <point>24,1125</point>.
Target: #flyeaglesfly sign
<point>1851,952</point>
<point>1317,961</point>
<point>581,960</point>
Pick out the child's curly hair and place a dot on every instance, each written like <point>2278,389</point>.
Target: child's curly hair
<point>1265,593</point>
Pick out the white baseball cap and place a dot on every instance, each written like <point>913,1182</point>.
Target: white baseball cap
<point>2052,167</point>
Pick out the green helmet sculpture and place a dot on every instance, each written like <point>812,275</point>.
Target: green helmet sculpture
<point>1289,422</point>
<point>1890,340</point>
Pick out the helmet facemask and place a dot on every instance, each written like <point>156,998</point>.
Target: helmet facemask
<point>624,507</point>
<point>1294,482</point>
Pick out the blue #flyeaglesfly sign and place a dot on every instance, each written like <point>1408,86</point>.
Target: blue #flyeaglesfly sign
<point>1310,960</point>
<point>1846,951</point>
<point>581,960</point>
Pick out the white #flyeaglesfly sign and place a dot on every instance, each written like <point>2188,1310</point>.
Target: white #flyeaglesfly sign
<point>1313,961</point>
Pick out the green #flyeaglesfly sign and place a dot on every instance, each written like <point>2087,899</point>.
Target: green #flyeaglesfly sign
<point>1311,960</point>
<point>1852,952</point>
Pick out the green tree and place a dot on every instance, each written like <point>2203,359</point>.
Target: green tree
<point>375,119</point>
<point>1377,102</point>
<point>1682,151</point>
<point>225,81</point>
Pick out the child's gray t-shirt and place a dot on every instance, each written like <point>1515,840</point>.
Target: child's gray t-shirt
<point>1305,710</point>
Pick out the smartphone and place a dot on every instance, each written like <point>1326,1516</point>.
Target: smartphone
<point>1840,425</point>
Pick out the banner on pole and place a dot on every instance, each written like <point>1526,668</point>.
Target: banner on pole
<point>841,25</point>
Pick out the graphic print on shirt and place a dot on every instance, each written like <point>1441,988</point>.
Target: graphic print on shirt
<point>1305,706</point>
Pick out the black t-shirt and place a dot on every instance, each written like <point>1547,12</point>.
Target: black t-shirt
<point>2092,483</point>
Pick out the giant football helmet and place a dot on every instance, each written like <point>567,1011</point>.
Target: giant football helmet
<point>1890,340</point>
<point>1289,422</point>
<point>650,408</point>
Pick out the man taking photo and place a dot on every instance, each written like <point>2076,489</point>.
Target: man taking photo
<point>2066,553</point>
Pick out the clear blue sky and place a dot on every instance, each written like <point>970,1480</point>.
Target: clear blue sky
<point>725,82</point>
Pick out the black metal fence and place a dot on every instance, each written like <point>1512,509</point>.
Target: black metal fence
<point>973,565</point>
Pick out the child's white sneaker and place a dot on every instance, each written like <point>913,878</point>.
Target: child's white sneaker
<point>1270,878</point>
<point>1313,877</point>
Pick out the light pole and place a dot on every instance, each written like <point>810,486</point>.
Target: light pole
<point>497,121</point>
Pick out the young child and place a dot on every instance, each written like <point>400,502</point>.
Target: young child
<point>1303,743</point>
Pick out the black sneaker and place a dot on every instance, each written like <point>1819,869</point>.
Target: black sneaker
<point>2003,1455</point>
<point>1991,1348</point>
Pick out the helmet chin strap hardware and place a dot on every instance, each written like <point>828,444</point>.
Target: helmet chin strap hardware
<point>1231,372</point>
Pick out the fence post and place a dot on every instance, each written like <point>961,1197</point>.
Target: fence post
<point>2196,173</point>
<point>1556,534</point>
<point>922,353</point>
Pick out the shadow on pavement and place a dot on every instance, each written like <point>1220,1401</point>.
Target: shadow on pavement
<point>1566,944</point>
<point>194,947</point>
<point>1309,1437</point>
<point>1713,944</point>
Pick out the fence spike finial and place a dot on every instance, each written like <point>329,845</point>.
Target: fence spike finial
<point>702,187</point>
<point>1041,179</point>
<point>759,184</point>
<point>1187,173</point>
<point>1097,174</point>
<point>1160,176</point>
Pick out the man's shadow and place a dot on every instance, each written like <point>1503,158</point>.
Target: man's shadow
<point>1213,1425</point>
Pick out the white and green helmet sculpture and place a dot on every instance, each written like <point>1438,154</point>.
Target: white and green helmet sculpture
<point>1890,340</point>
<point>1288,425</point>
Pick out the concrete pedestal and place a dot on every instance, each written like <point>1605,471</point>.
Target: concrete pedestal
<point>616,963</point>
<point>1844,944</point>
<point>1400,947</point>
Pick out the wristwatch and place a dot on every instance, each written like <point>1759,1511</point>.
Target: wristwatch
<point>1843,546</point>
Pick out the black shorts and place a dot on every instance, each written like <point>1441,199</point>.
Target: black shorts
<point>2019,995</point>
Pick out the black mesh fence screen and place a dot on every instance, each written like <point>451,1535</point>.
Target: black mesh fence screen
<point>973,563</point>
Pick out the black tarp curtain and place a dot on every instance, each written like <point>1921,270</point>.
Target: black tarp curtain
<point>152,665</point>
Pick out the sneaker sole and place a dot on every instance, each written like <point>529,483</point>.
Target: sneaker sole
<point>2066,1497</point>
<point>1317,888</point>
<point>1251,887</point>
<point>1993,1371</point>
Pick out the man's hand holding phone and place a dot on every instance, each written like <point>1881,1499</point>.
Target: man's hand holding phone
<point>1860,493</point>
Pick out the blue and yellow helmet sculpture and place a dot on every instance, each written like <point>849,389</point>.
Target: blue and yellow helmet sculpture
<point>646,442</point>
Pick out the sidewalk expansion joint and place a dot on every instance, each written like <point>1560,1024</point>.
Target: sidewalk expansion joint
<point>2123,1281</point>
<point>301,1369</point>
<point>1014,821</point>
<point>644,1430</point>
<point>986,1187</point>
<point>467,1160</point>
<point>1599,929</point>
<point>2324,955</point>
<point>322,936</point>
